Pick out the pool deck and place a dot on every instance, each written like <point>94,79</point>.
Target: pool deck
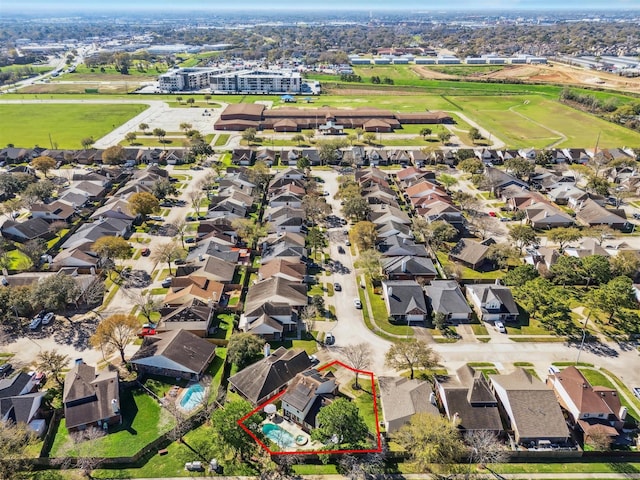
<point>295,430</point>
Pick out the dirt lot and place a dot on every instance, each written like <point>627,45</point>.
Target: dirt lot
<point>555,73</point>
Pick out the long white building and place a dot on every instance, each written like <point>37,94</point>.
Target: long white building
<point>241,81</point>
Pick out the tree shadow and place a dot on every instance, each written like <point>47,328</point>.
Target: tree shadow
<point>623,467</point>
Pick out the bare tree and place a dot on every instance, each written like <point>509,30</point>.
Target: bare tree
<point>485,226</point>
<point>308,316</point>
<point>195,197</point>
<point>359,357</point>
<point>361,467</point>
<point>83,443</point>
<point>485,447</point>
<point>147,303</point>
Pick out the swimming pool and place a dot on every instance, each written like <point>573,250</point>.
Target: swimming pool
<point>192,397</point>
<point>278,435</point>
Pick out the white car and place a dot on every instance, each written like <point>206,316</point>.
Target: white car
<point>46,320</point>
<point>500,326</point>
<point>329,339</point>
<point>35,322</point>
<point>357,303</point>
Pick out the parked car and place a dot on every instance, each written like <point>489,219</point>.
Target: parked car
<point>157,218</point>
<point>190,240</point>
<point>314,360</point>
<point>4,369</point>
<point>179,261</point>
<point>146,332</point>
<point>329,339</point>
<point>347,243</point>
<point>166,283</point>
<point>46,320</point>
<point>35,322</point>
<point>500,326</point>
<point>340,249</point>
<point>504,219</point>
<point>146,252</point>
<point>492,214</point>
<point>357,303</point>
<point>337,287</point>
<point>636,391</point>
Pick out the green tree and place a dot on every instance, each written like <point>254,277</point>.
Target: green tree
<point>54,364</point>
<point>144,127</point>
<point>522,236</point>
<point>471,165</point>
<point>340,424</point>
<point>244,348</point>
<point>596,269</point>
<point>249,135</point>
<point>259,174</point>
<point>298,138</point>
<point>625,263</point>
<point>185,126</point>
<point>425,132</point>
<point>316,239</point>
<point>502,254</point>
<point>363,235</point>
<point>564,235</point>
<point>43,164</point>
<point>131,137</point>
<point>466,201</point>
<point>38,192</point>
<point>143,203</point>
<point>520,167</point>
<point>191,101</point>
<point>14,441</point>
<point>411,355</point>
<point>475,134</point>
<point>249,230</point>
<point>163,188</point>
<point>114,155</point>
<point>598,185</point>
<point>444,137</point>
<point>439,233</point>
<point>315,207</point>
<point>370,261</point>
<point>303,162</point>
<point>429,440</point>
<point>356,208</point>
<point>328,152</point>
<point>613,296</point>
<point>207,98</point>
<point>520,275</point>
<point>566,270</point>
<point>87,142</point>
<point>160,134</point>
<point>115,331</point>
<point>229,435</point>
<point>447,180</point>
<point>544,157</point>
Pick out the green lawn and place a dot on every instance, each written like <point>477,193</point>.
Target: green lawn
<point>143,422</point>
<point>61,125</point>
<point>469,273</point>
<point>221,139</point>
<point>381,315</point>
<point>18,260</point>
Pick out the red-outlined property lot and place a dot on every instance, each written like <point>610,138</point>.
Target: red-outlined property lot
<point>307,452</point>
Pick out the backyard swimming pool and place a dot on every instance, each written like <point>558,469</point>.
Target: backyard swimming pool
<point>278,435</point>
<point>193,396</point>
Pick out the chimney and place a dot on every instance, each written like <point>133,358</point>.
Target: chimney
<point>432,398</point>
<point>201,257</point>
<point>267,350</point>
<point>390,292</point>
<point>78,361</point>
<point>622,414</point>
<point>114,406</point>
<point>404,266</point>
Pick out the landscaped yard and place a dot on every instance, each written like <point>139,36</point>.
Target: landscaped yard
<point>466,272</point>
<point>142,423</point>
<point>381,315</point>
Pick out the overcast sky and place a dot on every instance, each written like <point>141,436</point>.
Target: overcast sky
<point>33,6</point>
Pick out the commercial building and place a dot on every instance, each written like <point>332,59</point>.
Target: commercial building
<point>224,81</point>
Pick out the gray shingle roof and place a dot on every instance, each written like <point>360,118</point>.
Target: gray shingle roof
<point>446,297</point>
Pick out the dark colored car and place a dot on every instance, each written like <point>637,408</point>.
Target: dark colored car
<point>4,369</point>
<point>146,252</point>
<point>337,287</point>
<point>340,249</point>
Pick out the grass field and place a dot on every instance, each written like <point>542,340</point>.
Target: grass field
<point>60,126</point>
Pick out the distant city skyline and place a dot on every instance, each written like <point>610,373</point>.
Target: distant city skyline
<point>35,6</point>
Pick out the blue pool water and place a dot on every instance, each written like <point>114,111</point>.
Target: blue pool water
<point>278,435</point>
<point>192,397</point>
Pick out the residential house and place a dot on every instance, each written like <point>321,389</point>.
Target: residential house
<point>588,247</point>
<point>592,409</point>
<point>212,268</point>
<point>402,398</point>
<point>471,253</point>
<point>420,269</point>
<point>497,180</point>
<point>405,301</point>
<point>271,307</point>
<point>28,230</point>
<point>285,219</point>
<point>186,289</point>
<point>194,316</point>
<point>530,408</point>
<point>542,256</point>
<point>308,393</point>
<point>76,258</point>
<point>90,232</point>
<point>400,247</point>
<point>267,156</point>
<point>175,156</point>
<point>243,156</point>
<point>287,248</point>
<point>468,401</point>
<point>446,298</point>
<point>290,157</point>
<point>53,212</point>
<point>492,302</point>
<point>20,403</point>
<point>91,398</point>
<point>377,157</point>
<point>115,208</point>
<point>219,250</point>
<point>269,376</point>
<point>577,155</point>
<point>175,353</point>
<point>279,267</point>
<point>545,215</point>
<point>93,190</point>
<point>592,214</point>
